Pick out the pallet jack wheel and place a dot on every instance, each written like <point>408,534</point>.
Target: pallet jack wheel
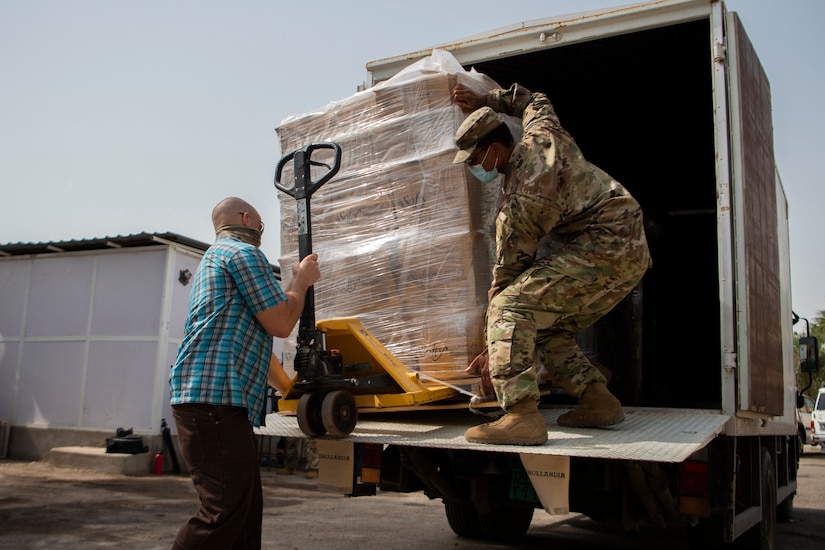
<point>339,413</point>
<point>309,415</point>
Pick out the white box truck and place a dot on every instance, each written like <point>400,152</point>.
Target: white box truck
<point>818,420</point>
<point>670,98</point>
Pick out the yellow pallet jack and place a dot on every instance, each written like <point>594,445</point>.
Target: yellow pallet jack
<point>340,366</point>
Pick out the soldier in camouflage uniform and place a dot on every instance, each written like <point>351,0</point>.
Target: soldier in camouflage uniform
<point>597,254</point>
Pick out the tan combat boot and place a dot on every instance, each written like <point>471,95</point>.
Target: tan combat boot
<point>598,407</point>
<point>522,425</point>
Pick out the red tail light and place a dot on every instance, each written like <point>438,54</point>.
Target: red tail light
<point>693,479</point>
<point>371,455</point>
<point>371,462</point>
<point>693,489</point>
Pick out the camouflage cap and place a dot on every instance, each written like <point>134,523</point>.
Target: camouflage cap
<point>480,123</point>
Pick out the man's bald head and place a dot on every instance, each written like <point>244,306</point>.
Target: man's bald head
<point>230,212</point>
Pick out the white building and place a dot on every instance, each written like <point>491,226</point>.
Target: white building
<point>88,331</point>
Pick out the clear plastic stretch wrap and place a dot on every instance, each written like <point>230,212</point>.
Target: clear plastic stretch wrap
<point>403,235</point>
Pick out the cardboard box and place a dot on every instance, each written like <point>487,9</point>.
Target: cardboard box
<point>403,234</point>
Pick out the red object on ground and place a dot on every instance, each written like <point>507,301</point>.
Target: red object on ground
<point>158,469</point>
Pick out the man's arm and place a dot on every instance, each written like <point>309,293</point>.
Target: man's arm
<point>276,377</point>
<point>279,320</point>
<point>512,101</point>
<point>533,109</point>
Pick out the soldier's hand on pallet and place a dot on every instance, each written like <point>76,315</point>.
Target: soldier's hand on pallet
<point>466,99</point>
<point>480,366</point>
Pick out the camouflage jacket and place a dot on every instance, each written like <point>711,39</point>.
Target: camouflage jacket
<point>550,190</point>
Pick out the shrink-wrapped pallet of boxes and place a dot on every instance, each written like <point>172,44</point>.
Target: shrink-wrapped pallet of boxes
<point>404,236</point>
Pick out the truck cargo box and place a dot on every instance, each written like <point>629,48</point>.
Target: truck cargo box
<point>671,99</point>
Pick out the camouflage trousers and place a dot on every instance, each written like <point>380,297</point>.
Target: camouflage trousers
<point>535,320</point>
<point>291,452</point>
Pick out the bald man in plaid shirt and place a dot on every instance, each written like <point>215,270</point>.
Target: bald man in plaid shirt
<point>224,364</point>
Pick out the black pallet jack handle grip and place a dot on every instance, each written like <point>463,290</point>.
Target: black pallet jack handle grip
<point>304,187</point>
<point>301,190</point>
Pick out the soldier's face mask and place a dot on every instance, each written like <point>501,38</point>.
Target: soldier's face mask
<point>482,175</point>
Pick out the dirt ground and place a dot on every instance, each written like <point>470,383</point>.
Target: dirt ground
<point>45,506</point>
<point>42,506</point>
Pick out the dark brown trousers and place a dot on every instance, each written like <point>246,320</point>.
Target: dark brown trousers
<point>220,450</point>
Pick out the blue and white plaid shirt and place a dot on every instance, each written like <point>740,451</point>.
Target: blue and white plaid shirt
<point>225,353</point>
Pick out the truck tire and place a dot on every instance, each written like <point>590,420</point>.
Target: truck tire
<point>463,519</point>
<point>506,523</point>
<point>762,535</point>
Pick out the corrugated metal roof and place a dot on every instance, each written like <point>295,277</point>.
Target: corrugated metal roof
<point>119,241</point>
<point>104,243</point>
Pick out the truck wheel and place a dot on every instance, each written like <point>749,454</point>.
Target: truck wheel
<point>463,519</point>
<point>762,535</point>
<point>506,523</point>
<point>339,413</point>
<point>309,415</point>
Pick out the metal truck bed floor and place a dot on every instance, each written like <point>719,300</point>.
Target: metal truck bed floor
<point>659,435</point>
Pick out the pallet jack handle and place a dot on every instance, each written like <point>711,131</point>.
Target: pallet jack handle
<point>302,189</point>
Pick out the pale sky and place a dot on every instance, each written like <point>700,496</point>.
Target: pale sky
<point>120,117</point>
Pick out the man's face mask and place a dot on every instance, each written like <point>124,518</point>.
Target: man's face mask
<point>482,175</point>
